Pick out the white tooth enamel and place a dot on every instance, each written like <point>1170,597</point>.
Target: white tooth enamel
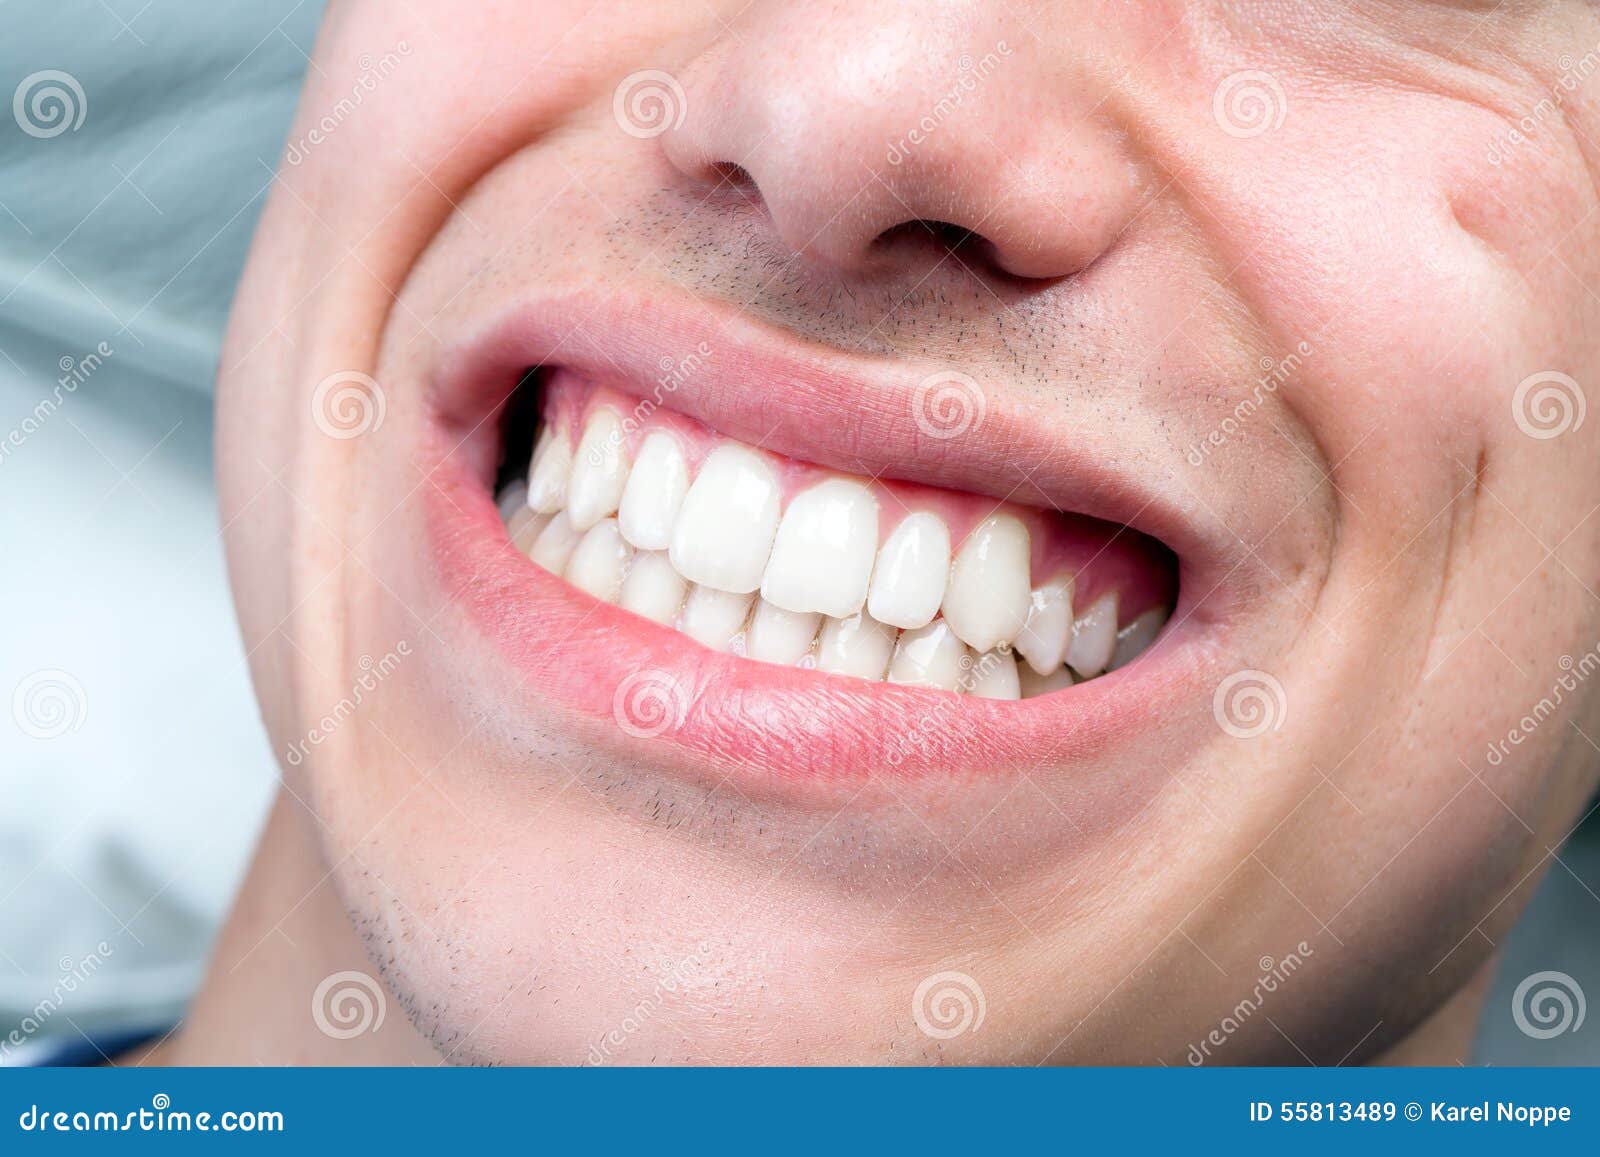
<point>655,490</point>
<point>822,557</point>
<point>524,528</point>
<point>547,476</point>
<point>599,471</point>
<point>1094,636</point>
<point>929,657</point>
<point>994,676</point>
<point>714,617</point>
<point>512,499</point>
<point>1044,637</point>
<point>555,544</point>
<point>858,646</point>
<point>653,589</point>
<point>725,526</point>
<point>988,597</point>
<point>909,578</point>
<point>599,562</point>
<point>1034,684</point>
<point>1136,636</point>
<point>780,636</point>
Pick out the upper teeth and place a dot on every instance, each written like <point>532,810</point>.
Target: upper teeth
<point>692,549</point>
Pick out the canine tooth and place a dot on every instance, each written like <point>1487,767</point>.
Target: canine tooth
<point>1094,635</point>
<point>512,499</point>
<point>1136,636</point>
<point>653,589</point>
<point>1033,684</point>
<point>780,636</point>
<point>549,471</point>
<point>599,471</point>
<point>912,568</point>
<point>555,544</point>
<point>524,528</point>
<point>822,556</point>
<point>994,676</point>
<point>725,527</point>
<point>713,617</point>
<point>929,657</point>
<point>858,646</point>
<point>1044,637</point>
<point>987,600</point>
<point>655,490</point>
<point>599,561</point>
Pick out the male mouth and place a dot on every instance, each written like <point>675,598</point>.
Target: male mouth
<point>772,559</point>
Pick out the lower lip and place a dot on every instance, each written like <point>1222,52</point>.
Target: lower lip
<point>656,697</point>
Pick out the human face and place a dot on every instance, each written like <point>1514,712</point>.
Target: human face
<point>1250,316</point>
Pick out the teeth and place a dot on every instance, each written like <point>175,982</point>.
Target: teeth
<point>653,589</point>
<point>929,657</point>
<point>512,499</point>
<point>822,557</point>
<point>1033,684</point>
<point>524,527</point>
<point>599,562</point>
<point>1136,636</point>
<point>713,617</point>
<point>780,636</point>
<point>1094,635</point>
<point>555,544</point>
<point>599,472</point>
<point>1044,638</point>
<point>655,491</point>
<point>547,476</point>
<point>988,598</point>
<point>859,646</point>
<point>994,676</point>
<point>725,528</point>
<point>909,578</point>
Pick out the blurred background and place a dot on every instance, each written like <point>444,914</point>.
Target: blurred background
<point>138,150</point>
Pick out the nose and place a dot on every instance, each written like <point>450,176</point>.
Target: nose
<point>857,126</point>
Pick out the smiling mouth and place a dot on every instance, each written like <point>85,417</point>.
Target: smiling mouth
<point>772,559</point>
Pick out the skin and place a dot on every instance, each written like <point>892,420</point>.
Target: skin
<point>1402,557</point>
